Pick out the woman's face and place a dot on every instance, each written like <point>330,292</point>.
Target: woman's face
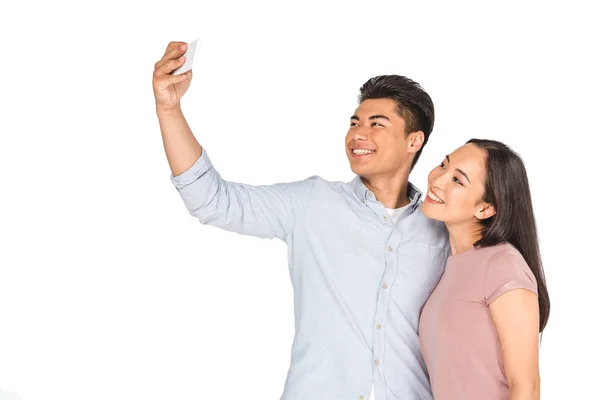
<point>456,187</point>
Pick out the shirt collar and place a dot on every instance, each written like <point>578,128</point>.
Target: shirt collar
<point>364,194</point>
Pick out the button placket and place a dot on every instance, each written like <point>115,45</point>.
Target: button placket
<point>382,310</point>
<point>381,316</point>
<point>390,252</point>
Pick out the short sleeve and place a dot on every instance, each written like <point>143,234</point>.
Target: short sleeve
<point>506,270</point>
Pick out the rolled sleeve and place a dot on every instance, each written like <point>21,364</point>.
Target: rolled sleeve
<point>189,176</point>
<point>506,270</point>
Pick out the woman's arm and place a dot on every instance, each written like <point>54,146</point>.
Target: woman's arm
<point>516,316</point>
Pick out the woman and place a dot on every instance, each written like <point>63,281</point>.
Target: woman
<point>479,330</point>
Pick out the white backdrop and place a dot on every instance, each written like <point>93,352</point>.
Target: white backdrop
<point>110,290</point>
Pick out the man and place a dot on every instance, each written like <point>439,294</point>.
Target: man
<point>363,258</point>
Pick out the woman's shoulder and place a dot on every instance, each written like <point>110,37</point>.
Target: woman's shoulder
<point>506,253</point>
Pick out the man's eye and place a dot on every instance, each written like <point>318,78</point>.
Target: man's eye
<point>353,124</point>
<point>442,166</point>
<point>376,124</point>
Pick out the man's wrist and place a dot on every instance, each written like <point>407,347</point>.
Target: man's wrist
<point>162,111</point>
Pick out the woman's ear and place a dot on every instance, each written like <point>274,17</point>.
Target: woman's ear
<point>485,211</point>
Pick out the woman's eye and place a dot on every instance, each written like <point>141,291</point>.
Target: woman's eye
<point>457,181</point>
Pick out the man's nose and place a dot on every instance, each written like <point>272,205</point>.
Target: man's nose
<point>361,134</point>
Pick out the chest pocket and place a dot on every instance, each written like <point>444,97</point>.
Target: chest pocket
<point>420,267</point>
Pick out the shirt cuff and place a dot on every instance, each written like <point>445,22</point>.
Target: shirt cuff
<point>199,168</point>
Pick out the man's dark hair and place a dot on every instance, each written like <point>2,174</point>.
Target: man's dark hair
<point>413,104</point>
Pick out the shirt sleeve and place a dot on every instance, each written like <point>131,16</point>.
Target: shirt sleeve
<point>506,270</point>
<point>267,211</point>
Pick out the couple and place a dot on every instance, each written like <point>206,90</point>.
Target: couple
<point>396,293</point>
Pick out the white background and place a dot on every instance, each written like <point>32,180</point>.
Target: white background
<point>110,290</point>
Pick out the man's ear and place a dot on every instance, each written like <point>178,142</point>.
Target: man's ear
<point>485,211</point>
<point>415,141</point>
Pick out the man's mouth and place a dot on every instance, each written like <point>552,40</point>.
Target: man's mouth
<point>362,152</point>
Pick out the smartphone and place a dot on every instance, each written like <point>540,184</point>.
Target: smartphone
<point>190,58</point>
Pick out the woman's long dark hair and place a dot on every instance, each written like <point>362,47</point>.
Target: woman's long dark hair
<point>507,189</point>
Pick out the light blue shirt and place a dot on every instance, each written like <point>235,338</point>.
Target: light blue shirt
<point>360,281</point>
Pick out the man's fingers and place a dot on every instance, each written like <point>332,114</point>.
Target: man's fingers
<point>167,80</point>
<point>173,45</point>
<point>169,66</point>
<point>174,51</point>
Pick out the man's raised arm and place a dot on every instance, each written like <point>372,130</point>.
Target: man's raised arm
<point>263,211</point>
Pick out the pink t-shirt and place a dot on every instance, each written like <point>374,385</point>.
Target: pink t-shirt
<point>458,337</point>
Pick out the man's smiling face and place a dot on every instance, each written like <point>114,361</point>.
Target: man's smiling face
<point>377,143</point>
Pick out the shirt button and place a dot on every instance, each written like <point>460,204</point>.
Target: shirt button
<point>376,362</point>
<point>362,397</point>
<point>378,326</point>
<point>390,249</point>
<point>385,218</point>
<point>370,194</point>
<point>384,286</point>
